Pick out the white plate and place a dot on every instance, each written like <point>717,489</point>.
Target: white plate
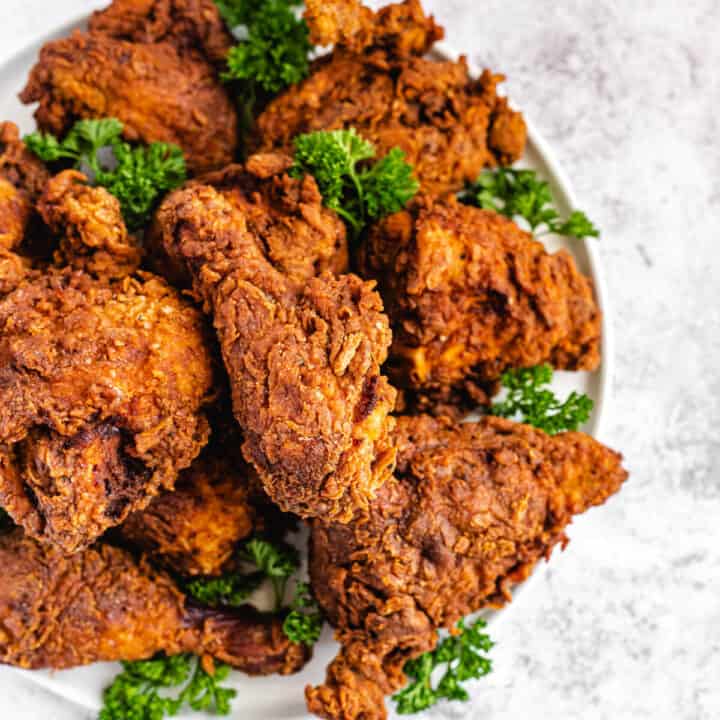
<point>276,698</point>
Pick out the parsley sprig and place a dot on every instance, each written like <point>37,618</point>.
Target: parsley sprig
<point>141,690</point>
<point>462,657</point>
<point>529,400</point>
<point>304,621</point>
<point>137,176</point>
<point>357,191</point>
<point>521,194</point>
<point>276,563</point>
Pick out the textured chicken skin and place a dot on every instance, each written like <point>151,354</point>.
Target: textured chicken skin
<point>470,294</point>
<point>102,390</point>
<point>192,26</point>
<point>471,510</point>
<point>449,125</point>
<point>89,227</point>
<point>303,358</point>
<point>195,529</point>
<point>301,239</point>
<point>101,604</point>
<point>158,94</point>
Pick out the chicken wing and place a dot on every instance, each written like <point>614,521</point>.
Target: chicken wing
<point>470,294</point>
<point>157,93</point>
<point>100,604</point>
<point>192,26</point>
<point>449,125</point>
<point>472,509</point>
<point>303,358</point>
<point>102,390</point>
<point>90,227</point>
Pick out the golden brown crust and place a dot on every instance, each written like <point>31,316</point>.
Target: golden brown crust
<point>195,529</point>
<point>193,26</point>
<point>102,391</point>
<point>472,509</point>
<point>101,605</point>
<point>470,294</point>
<point>90,227</point>
<point>303,357</point>
<point>158,94</point>
<point>403,28</point>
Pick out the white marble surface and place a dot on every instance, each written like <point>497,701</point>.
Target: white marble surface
<point>625,625</point>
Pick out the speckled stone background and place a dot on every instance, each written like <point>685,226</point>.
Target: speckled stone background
<point>625,625</point>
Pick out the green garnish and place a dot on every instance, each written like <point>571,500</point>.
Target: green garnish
<point>276,45</point>
<point>137,176</point>
<point>304,621</point>
<point>358,193</point>
<point>135,692</point>
<point>520,193</point>
<point>462,657</point>
<point>231,589</point>
<point>275,562</point>
<point>530,401</point>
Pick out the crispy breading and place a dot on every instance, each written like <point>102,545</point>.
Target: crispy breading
<point>472,509</point>
<point>90,227</point>
<point>157,93</point>
<point>191,25</point>
<point>301,239</point>
<point>303,358</point>
<point>101,604</point>
<point>401,27</point>
<point>449,125</point>
<point>102,389</point>
<point>470,294</point>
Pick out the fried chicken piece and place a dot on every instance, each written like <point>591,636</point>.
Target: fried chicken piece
<point>158,94</point>
<point>470,294</point>
<point>192,26</point>
<point>449,125</point>
<point>22,178</point>
<point>404,27</point>
<point>89,223</point>
<point>301,239</point>
<point>472,509</point>
<point>101,604</point>
<point>195,529</point>
<point>303,358</point>
<point>102,390</point>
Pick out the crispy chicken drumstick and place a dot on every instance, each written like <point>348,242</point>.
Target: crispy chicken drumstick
<point>303,358</point>
<point>472,509</point>
<point>101,604</point>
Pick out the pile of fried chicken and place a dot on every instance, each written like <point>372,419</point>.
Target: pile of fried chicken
<point>163,399</point>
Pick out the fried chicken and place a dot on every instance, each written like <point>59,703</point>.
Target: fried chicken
<point>300,238</point>
<point>101,604</point>
<point>472,509</point>
<point>158,93</point>
<point>470,294</point>
<point>102,390</point>
<point>449,125</point>
<point>90,227</point>
<point>192,26</point>
<point>303,358</point>
<point>195,529</point>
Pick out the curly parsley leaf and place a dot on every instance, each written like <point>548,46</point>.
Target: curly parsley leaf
<point>529,400</point>
<point>141,690</point>
<point>137,176</point>
<point>521,194</point>
<point>276,562</point>
<point>462,658</point>
<point>276,46</point>
<point>304,622</point>
<point>231,589</point>
<point>358,193</point>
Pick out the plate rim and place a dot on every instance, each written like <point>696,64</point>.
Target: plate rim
<point>563,188</point>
